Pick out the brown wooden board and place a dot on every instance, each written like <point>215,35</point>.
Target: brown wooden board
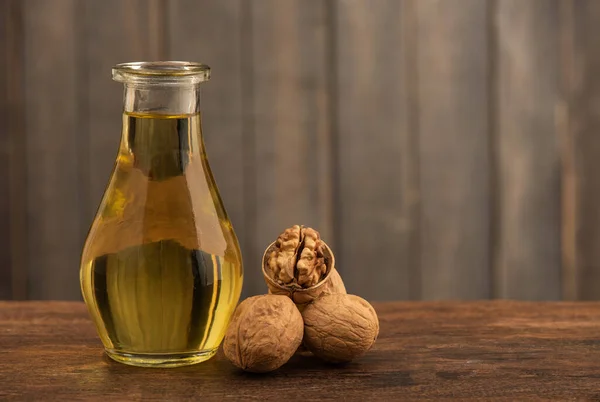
<point>528,244</point>
<point>581,85</point>
<point>6,37</point>
<point>454,163</point>
<point>13,268</point>
<point>52,149</point>
<point>17,154</point>
<point>377,193</point>
<point>436,350</point>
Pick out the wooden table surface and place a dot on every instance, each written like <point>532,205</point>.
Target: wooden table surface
<point>473,350</point>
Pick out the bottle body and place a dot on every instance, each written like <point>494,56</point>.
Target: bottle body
<point>161,269</point>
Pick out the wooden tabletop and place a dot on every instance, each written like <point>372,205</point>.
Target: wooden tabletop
<point>472,350</point>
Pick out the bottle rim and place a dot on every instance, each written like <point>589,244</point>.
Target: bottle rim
<point>161,72</point>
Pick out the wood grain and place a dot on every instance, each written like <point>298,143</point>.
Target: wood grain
<point>569,273</point>
<point>453,126</point>
<point>191,36</point>
<point>51,107</point>
<point>17,154</point>
<point>290,120</point>
<point>527,257</point>
<point>11,37</point>
<point>437,350</point>
<point>581,86</point>
<point>376,149</point>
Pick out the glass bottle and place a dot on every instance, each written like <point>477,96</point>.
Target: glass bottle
<point>161,270</point>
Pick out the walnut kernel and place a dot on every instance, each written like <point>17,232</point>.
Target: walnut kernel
<point>297,257</point>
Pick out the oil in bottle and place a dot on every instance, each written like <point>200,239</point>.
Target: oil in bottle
<point>161,269</point>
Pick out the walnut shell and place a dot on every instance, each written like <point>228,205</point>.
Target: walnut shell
<point>330,283</point>
<point>264,333</point>
<point>339,328</point>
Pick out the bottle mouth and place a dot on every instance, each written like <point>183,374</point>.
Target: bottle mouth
<point>161,73</point>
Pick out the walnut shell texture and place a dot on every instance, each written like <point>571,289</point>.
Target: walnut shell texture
<point>340,327</point>
<point>264,333</point>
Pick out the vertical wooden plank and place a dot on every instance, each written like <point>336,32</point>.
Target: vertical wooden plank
<point>6,36</point>
<point>51,148</point>
<point>211,32</point>
<point>528,257</point>
<point>17,157</point>
<point>581,80</point>
<point>291,120</point>
<point>570,274</point>
<point>117,31</point>
<point>376,146</point>
<point>11,129</point>
<point>452,63</point>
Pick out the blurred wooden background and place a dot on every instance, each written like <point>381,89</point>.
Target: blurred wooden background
<point>444,148</point>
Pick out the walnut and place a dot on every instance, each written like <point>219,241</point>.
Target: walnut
<point>297,258</point>
<point>339,328</point>
<point>264,333</point>
<point>299,264</point>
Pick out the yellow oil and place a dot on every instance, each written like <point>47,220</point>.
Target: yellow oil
<point>161,269</point>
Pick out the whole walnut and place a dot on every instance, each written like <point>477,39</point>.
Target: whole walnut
<point>339,327</point>
<point>264,333</point>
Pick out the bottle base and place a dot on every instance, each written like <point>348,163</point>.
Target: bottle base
<point>161,360</point>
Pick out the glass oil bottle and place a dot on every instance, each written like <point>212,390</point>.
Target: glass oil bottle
<point>161,270</point>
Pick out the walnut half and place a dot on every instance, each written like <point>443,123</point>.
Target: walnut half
<point>298,258</point>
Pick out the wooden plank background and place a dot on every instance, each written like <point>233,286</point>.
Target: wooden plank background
<point>526,96</point>
<point>452,113</point>
<point>580,122</point>
<point>375,149</point>
<point>446,149</point>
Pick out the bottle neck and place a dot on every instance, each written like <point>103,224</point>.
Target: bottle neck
<point>162,132</point>
<point>167,100</point>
